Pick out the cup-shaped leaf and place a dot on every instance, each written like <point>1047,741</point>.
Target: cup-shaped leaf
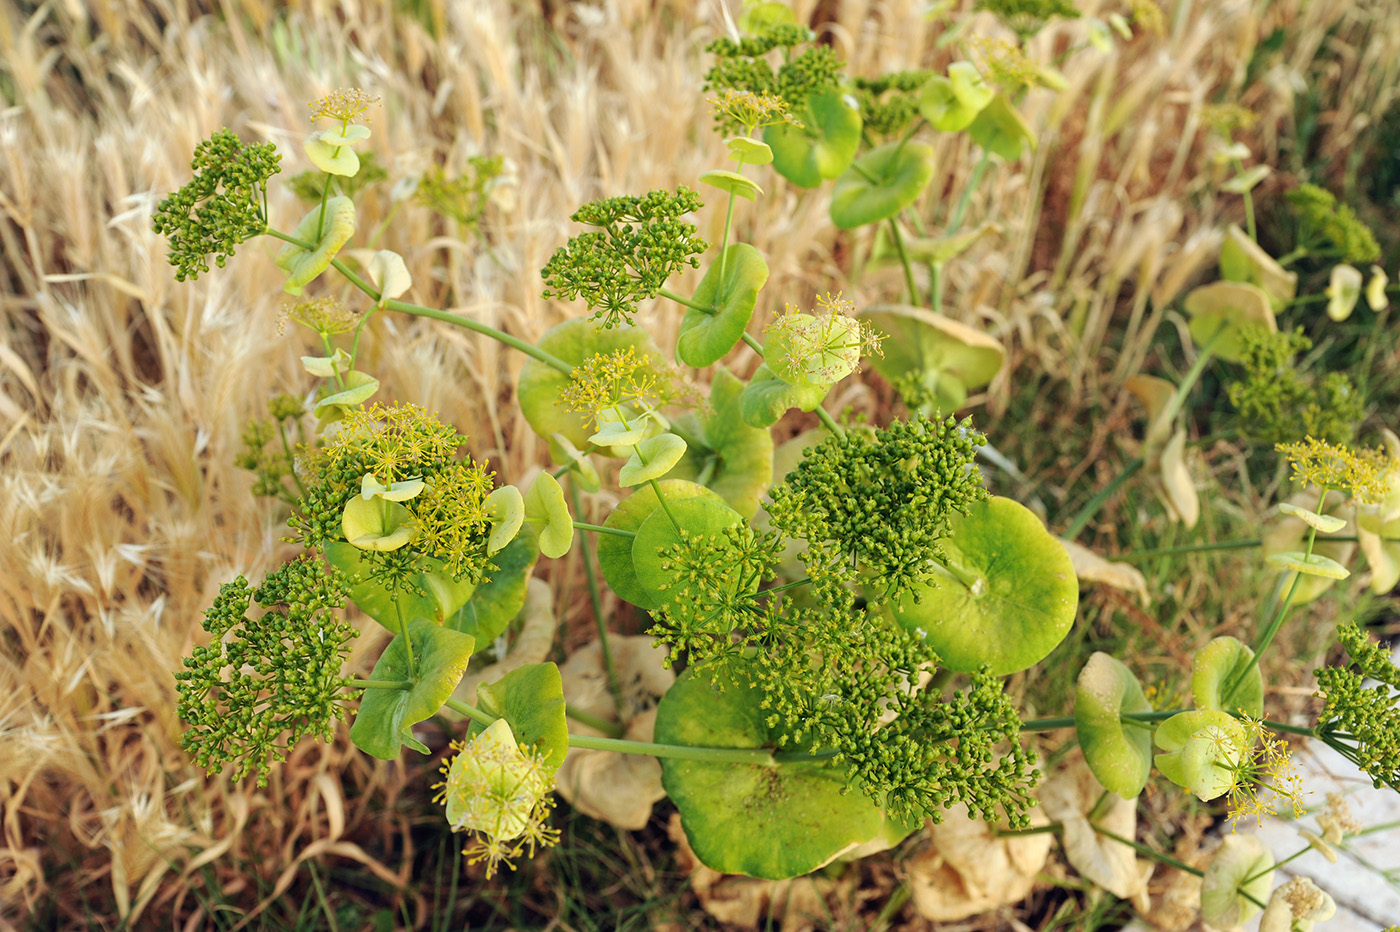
<point>652,459</point>
<point>749,151</point>
<point>544,504</point>
<point>359,387</point>
<point>573,341</point>
<point>1244,260</point>
<point>1005,596</point>
<point>531,699</point>
<point>1226,900</point>
<point>735,459</point>
<point>881,183</point>
<point>1221,310</point>
<point>1000,128</point>
<point>303,265</point>
<point>499,599</point>
<point>431,592</point>
<point>1285,545</point>
<point>823,146</point>
<point>651,548</point>
<point>1310,564</point>
<point>941,107</point>
<point>326,367</point>
<point>329,150</point>
<point>386,717</point>
<point>507,508</point>
<point>767,398</point>
<point>771,821</point>
<point>1343,291</point>
<point>1327,524</point>
<point>732,183</point>
<point>1118,752</point>
<point>376,523</point>
<point>1202,749</point>
<point>706,337</point>
<point>615,551</point>
<point>953,357</point>
<point>388,271</point>
<point>1217,666</point>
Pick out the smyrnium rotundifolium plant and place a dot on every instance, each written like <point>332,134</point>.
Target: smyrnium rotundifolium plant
<point>840,629</point>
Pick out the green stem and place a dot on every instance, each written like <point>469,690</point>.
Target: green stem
<point>602,529</point>
<point>960,209</point>
<point>407,643</point>
<point>1248,206</point>
<point>321,215</point>
<point>668,293</point>
<point>829,422</point>
<point>1267,638</point>
<point>1134,555</point>
<point>1150,852</point>
<point>611,729</point>
<point>614,684</point>
<point>1091,508</point>
<point>1269,870</point>
<point>287,448</point>
<point>1051,828</point>
<point>378,684</point>
<point>359,329</point>
<point>904,261</point>
<point>728,221</point>
<point>417,310</point>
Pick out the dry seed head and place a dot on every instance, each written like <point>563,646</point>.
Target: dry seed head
<point>326,316</point>
<point>1337,820</point>
<point>343,104</point>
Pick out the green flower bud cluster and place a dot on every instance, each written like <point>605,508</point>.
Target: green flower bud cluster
<point>451,521</point>
<point>880,502</point>
<point>224,204</point>
<point>267,453</point>
<point>742,66</point>
<point>640,243</point>
<point>1322,220</point>
<point>890,102</point>
<point>1276,404</point>
<point>464,197</point>
<point>1027,17</point>
<point>711,613</point>
<point>913,751</point>
<point>263,684</point>
<point>1361,720</point>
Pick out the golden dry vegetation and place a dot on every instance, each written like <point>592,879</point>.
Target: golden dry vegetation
<point>123,394</point>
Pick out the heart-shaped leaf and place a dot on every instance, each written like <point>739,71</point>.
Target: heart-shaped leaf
<point>652,459</point>
<point>544,503</point>
<point>823,146</point>
<point>705,338</point>
<point>803,812</point>
<point>651,549</point>
<point>881,183</point>
<point>531,699</point>
<point>386,716</point>
<point>767,398</point>
<point>615,552</point>
<point>1118,752</point>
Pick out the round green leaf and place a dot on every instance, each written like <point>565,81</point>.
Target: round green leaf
<point>749,151</point>
<point>1309,564</point>
<point>940,105</point>
<point>359,386</point>
<point>1244,260</point>
<point>507,507</point>
<point>916,340</point>
<point>732,183</point>
<point>652,459</point>
<point>881,183</point>
<point>531,700</point>
<point>733,458</point>
<point>1327,524</point>
<point>823,146</point>
<point>767,398</point>
<point>376,524</point>
<point>1006,592</point>
<point>764,15</point>
<point>652,545</point>
<point>772,822</point>
<point>545,502</point>
<point>443,595</point>
<point>1217,665</point>
<point>615,552</point>
<point>1200,750</point>
<point>705,338</point>
<point>1119,753</point>
<point>1224,903</point>
<point>969,86</point>
<point>1001,129</point>
<point>573,341</point>
<point>500,598</point>
<point>386,717</point>
<point>1221,310</point>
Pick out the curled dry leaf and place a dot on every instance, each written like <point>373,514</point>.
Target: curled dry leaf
<point>617,788</point>
<point>1090,567</point>
<point>1156,396</point>
<point>968,869</point>
<point>796,905</point>
<point>531,644</point>
<point>1070,797</point>
<point>1179,489</point>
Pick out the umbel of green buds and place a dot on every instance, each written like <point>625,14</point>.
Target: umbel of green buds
<point>224,204</point>
<point>264,683</point>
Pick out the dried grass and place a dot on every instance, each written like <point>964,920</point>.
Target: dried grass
<point>123,393</point>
